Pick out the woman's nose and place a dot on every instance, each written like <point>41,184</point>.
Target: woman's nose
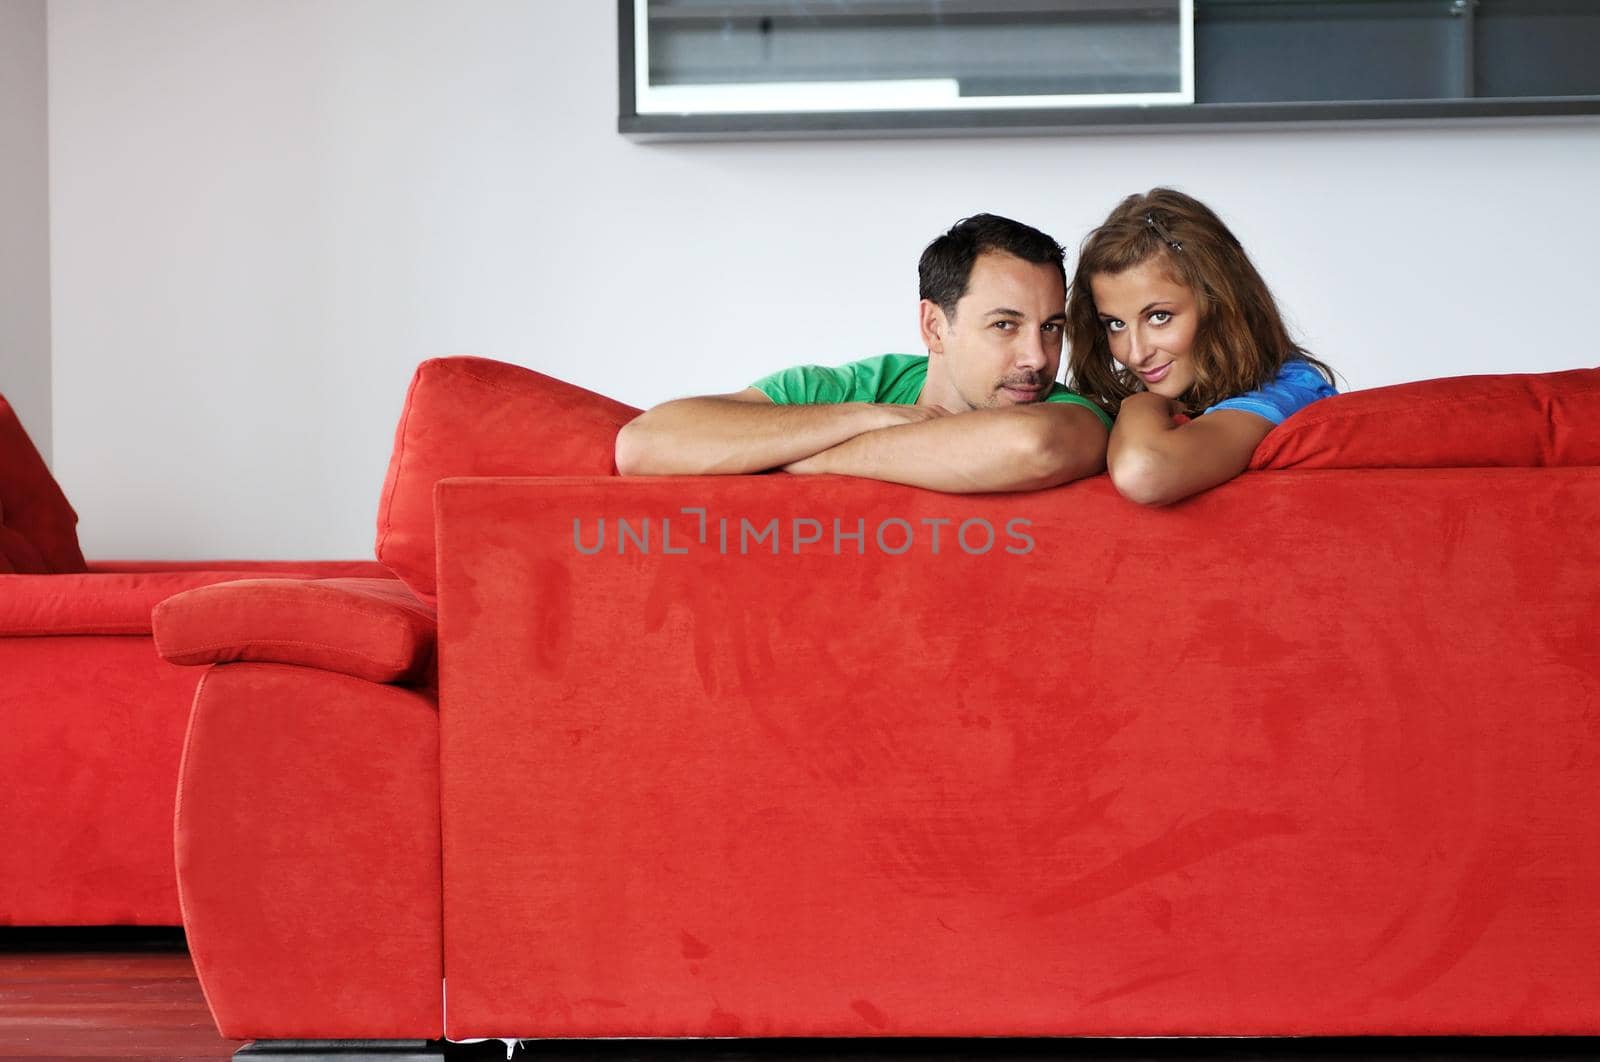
<point>1137,348</point>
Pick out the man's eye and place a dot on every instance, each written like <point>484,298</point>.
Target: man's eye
<point>1160,317</point>
<point>1005,326</point>
<point>1053,327</point>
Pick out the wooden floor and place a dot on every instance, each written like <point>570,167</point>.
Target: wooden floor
<point>116,995</point>
<point>132,994</point>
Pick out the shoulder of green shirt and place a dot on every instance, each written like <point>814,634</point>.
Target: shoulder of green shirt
<point>897,378</point>
<point>876,379</point>
<point>1060,395</point>
<point>807,384</point>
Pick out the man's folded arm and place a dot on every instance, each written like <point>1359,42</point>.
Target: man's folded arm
<point>1015,449</point>
<point>742,432</point>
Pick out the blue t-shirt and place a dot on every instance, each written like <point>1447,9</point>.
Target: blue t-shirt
<point>1298,385</point>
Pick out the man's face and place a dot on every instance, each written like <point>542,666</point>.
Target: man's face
<point>1002,347</point>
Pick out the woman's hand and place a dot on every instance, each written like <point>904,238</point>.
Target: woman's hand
<point>1170,408</point>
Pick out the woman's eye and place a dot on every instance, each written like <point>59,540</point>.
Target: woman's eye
<point>1114,325</point>
<point>1160,317</point>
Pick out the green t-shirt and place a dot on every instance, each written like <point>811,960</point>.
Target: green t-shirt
<point>894,379</point>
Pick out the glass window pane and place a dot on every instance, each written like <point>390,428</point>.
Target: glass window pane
<point>1538,48</point>
<point>707,56</point>
<point>1271,51</point>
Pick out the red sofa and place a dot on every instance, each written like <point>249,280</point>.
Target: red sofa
<point>95,719</point>
<point>1311,753</point>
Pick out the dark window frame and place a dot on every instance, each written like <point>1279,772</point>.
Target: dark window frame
<point>1068,120</point>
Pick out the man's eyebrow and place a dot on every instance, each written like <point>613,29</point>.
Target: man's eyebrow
<point>1018,315</point>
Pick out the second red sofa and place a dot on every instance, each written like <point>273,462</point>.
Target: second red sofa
<point>94,718</point>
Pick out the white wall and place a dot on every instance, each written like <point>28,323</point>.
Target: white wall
<point>266,214</point>
<point>25,219</point>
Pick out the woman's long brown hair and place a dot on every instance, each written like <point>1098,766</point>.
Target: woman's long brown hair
<point>1240,343</point>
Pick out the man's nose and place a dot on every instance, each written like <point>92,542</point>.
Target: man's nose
<point>1031,352</point>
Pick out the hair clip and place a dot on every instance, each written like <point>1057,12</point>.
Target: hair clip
<point>1161,231</point>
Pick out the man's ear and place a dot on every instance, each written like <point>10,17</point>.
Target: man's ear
<point>933,324</point>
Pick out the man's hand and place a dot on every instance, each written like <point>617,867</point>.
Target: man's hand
<point>913,414</point>
<point>1018,448</point>
<point>898,416</point>
<point>1144,400</point>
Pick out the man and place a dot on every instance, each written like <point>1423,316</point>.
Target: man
<point>981,412</point>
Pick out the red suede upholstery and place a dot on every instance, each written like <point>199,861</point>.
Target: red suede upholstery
<point>300,569</point>
<point>1308,754</point>
<point>94,719</point>
<point>94,729</point>
<point>368,628</point>
<point>96,602</point>
<point>38,529</point>
<point>475,417</point>
<point>1525,420</point>
<point>308,828</point>
<point>17,554</point>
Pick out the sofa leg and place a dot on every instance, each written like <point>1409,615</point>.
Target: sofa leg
<point>342,1051</point>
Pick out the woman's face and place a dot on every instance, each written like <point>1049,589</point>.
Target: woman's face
<point>1150,322</point>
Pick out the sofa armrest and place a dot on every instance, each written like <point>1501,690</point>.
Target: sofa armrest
<point>307,848</point>
<point>372,629</point>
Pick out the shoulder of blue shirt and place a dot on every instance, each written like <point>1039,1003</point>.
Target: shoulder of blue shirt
<point>1298,384</point>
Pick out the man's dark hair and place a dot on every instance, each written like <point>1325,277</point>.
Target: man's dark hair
<point>946,264</point>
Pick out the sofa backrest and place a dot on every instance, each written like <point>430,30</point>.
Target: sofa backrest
<point>467,416</point>
<point>38,529</point>
<point>1515,420</point>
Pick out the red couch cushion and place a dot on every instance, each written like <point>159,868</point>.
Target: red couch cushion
<point>94,602</point>
<point>38,529</point>
<point>254,569</point>
<point>17,554</point>
<point>476,417</point>
<point>369,628</point>
<point>1519,420</point>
